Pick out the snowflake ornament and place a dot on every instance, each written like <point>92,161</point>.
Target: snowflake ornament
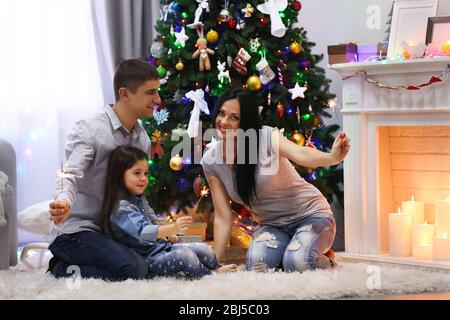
<point>254,45</point>
<point>161,116</point>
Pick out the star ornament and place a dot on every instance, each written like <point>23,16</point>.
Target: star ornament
<point>181,37</point>
<point>297,91</point>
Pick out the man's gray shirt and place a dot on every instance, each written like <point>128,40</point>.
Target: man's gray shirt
<point>88,147</point>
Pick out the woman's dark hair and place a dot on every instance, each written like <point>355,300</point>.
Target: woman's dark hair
<point>121,159</point>
<point>245,173</point>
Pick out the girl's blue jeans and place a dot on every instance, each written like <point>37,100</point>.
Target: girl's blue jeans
<point>193,260</point>
<point>297,247</point>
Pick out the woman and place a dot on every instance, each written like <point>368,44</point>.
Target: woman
<point>296,227</point>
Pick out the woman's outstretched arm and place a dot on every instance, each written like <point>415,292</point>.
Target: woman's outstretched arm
<point>310,157</point>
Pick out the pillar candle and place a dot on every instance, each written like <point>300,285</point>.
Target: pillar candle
<point>422,240</point>
<point>400,234</point>
<point>445,49</point>
<point>442,218</point>
<point>441,248</point>
<point>416,209</point>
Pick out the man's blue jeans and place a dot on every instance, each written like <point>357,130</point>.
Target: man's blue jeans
<point>97,256</point>
<point>298,247</point>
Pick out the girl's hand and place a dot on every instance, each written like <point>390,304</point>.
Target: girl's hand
<point>340,148</point>
<point>183,223</point>
<point>172,239</point>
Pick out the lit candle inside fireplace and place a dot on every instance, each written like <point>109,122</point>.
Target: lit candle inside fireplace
<point>441,248</point>
<point>422,240</point>
<point>446,48</point>
<point>416,209</point>
<point>400,234</point>
<point>442,217</point>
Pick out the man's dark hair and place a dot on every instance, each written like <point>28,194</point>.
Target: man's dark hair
<point>133,73</point>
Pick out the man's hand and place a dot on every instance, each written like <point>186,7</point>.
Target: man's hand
<point>340,148</point>
<point>59,210</point>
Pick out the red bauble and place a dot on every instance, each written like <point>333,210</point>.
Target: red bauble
<point>296,5</point>
<point>232,23</point>
<point>244,213</point>
<point>264,21</point>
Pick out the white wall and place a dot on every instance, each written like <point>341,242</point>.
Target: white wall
<point>331,22</point>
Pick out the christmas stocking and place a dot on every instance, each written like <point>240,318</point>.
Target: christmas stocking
<point>265,73</point>
<point>240,61</point>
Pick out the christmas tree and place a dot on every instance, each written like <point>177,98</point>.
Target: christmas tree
<point>205,48</point>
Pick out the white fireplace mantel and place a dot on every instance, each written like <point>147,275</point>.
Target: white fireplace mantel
<point>365,106</point>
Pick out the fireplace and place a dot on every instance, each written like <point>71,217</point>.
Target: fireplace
<point>400,148</point>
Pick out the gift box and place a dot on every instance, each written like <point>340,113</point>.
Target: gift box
<point>372,52</point>
<point>367,52</point>
<point>196,228</point>
<point>343,53</point>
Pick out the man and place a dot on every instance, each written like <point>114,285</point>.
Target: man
<point>75,236</point>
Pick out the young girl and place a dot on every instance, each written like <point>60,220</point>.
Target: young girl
<point>128,218</point>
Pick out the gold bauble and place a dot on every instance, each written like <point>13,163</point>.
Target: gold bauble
<point>296,47</point>
<point>212,36</point>
<point>179,66</point>
<point>176,163</point>
<point>298,138</point>
<point>254,83</point>
<point>316,121</point>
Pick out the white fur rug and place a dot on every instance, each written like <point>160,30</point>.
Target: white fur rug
<point>348,280</point>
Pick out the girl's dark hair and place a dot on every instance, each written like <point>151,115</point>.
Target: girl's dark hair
<point>121,159</point>
<point>245,173</point>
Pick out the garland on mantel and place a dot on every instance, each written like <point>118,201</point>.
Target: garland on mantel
<point>433,80</point>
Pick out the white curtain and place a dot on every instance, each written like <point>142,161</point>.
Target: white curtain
<point>49,78</point>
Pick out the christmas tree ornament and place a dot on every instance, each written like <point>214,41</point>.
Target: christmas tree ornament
<point>317,121</point>
<point>202,53</point>
<point>309,143</point>
<point>179,66</point>
<point>156,148</point>
<point>198,97</point>
<point>223,74</point>
<point>265,73</point>
<point>239,63</point>
<point>264,21</point>
<point>273,8</point>
<point>297,91</point>
<point>202,5</point>
<point>181,38</point>
<point>248,10</point>
<point>296,5</point>
<point>254,83</point>
<point>198,185</point>
<point>260,109</point>
<point>224,14</point>
<point>305,64</point>
<point>157,50</point>
<point>269,99</point>
<point>204,192</point>
<point>161,116</point>
<point>212,36</point>
<point>165,79</point>
<point>176,163</point>
<point>298,138</point>
<point>231,23</point>
<point>254,45</point>
<point>280,109</point>
<point>161,71</point>
<point>240,24</point>
<point>295,47</point>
